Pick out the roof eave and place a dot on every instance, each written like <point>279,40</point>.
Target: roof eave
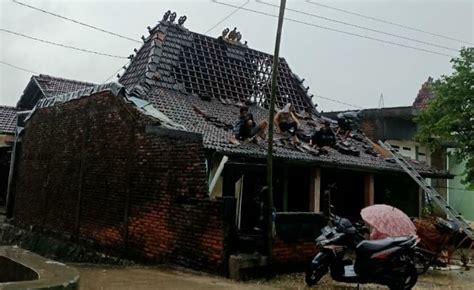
<point>333,164</point>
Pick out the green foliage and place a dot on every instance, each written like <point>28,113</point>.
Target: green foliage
<point>448,120</point>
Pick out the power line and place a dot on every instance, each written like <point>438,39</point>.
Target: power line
<point>337,101</point>
<point>389,22</point>
<point>337,30</point>
<point>360,27</point>
<point>116,72</point>
<point>227,17</point>
<point>60,44</point>
<point>75,21</point>
<point>455,188</point>
<point>18,68</point>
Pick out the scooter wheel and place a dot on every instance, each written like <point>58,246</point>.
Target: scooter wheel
<point>406,275</point>
<point>314,274</point>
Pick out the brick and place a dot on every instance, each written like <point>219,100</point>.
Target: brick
<point>121,163</point>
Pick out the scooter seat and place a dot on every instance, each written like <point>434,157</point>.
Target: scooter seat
<point>366,247</point>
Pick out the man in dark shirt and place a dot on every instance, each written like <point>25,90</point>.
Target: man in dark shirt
<point>324,136</point>
<point>348,121</point>
<point>246,128</point>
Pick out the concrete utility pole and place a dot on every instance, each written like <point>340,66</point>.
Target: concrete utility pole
<point>269,203</point>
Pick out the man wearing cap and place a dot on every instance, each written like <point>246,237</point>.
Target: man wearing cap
<point>348,121</point>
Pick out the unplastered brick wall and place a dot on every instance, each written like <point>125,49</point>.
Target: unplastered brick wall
<point>298,252</point>
<point>97,169</point>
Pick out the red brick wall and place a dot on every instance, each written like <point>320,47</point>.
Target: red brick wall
<point>298,252</point>
<point>97,169</point>
<point>369,127</point>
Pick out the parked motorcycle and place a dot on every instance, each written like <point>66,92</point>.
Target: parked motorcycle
<point>388,261</point>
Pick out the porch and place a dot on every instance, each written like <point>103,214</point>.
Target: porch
<point>301,200</point>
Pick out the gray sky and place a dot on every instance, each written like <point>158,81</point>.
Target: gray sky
<point>338,66</point>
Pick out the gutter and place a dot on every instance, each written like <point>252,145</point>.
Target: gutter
<point>18,131</point>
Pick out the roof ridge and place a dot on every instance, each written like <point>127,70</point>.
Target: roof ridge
<point>174,57</point>
<point>8,107</point>
<point>64,79</point>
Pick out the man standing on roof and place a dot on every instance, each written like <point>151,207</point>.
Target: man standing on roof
<point>246,128</point>
<point>285,121</point>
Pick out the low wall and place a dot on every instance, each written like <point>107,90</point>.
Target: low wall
<point>21,269</point>
<point>97,169</point>
<point>295,234</point>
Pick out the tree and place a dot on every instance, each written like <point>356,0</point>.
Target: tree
<point>448,120</point>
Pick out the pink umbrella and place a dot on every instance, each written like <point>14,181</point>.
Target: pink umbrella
<point>387,221</point>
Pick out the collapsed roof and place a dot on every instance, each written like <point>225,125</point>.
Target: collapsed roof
<point>200,82</point>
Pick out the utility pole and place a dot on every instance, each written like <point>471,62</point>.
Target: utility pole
<point>269,203</point>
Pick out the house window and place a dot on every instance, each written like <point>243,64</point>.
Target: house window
<point>407,148</point>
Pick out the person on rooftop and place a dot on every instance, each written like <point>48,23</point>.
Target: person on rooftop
<point>246,128</point>
<point>286,121</point>
<point>324,136</point>
<point>348,121</point>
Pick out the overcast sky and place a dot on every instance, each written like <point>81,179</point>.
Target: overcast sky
<point>335,65</point>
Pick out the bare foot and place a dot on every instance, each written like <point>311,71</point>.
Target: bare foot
<point>234,141</point>
<point>296,140</point>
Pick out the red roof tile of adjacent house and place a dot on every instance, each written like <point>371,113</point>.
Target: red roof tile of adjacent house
<point>424,95</point>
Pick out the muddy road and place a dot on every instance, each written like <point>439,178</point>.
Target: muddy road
<point>147,278</point>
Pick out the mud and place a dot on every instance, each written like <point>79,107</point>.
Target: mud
<point>145,278</point>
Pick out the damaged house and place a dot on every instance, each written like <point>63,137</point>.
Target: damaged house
<point>145,168</point>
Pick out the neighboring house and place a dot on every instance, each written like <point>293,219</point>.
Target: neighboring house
<point>396,126</point>
<point>7,137</point>
<point>44,86</point>
<point>146,168</point>
<point>39,87</point>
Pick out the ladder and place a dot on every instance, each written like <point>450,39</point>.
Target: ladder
<point>430,191</point>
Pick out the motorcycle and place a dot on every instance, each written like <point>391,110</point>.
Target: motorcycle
<point>388,261</point>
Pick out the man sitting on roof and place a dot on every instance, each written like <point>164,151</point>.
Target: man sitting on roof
<point>324,136</point>
<point>347,122</point>
<point>246,128</point>
<point>286,121</point>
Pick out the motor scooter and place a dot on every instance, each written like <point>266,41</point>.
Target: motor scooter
<point>387,261</point>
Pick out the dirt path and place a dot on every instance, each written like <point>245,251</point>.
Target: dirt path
<point>145,278</point>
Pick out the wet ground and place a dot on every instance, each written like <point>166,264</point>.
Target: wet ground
<point>145,278</point>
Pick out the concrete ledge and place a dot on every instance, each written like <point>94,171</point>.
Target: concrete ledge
<point>40,273</point>
<point>238,263</point>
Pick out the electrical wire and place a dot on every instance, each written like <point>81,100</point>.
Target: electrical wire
<point>18,68</point>
<point>389,22</point>
<point>337,30</point>
<point>359,26</point>
<point>227,17</point>
<point>75,21</point>
<point>337,101</point>
<point>60,44</point>
<point>116,72</point>
<point>454,188</point>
